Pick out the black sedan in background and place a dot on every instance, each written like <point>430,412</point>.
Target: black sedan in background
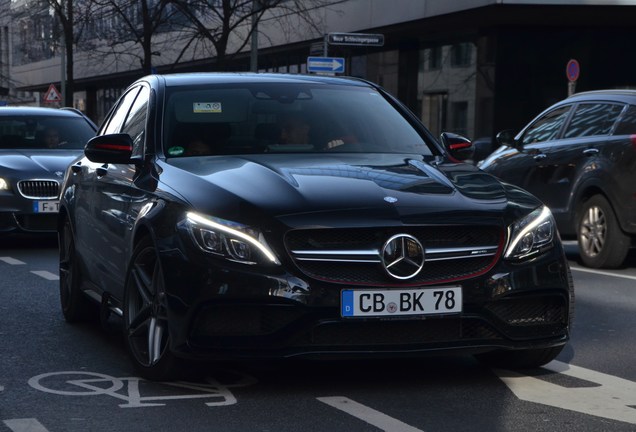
<point>235,216</point>
<point>36,147</point>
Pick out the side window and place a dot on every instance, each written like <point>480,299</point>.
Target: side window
<point>135,124</point>
<point>593,119</point>
<point>627,125</point>
<point>119,115</point>
<point>547,127</point>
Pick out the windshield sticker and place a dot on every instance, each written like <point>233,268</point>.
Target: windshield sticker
<point>207,107</point>
<point>176,151</point>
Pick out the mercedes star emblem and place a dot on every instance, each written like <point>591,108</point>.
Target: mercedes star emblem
<point>403,256</point>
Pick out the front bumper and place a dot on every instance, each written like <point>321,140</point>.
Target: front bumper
<point>231,313</point>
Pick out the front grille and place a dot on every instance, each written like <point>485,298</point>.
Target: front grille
<point>352,256</point>
<point>531,311</point>
<point>39,189</point>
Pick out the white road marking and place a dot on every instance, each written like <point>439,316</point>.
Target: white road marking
<point>604,273</point>
<point>614,398</point>
<point>369,415</point>
<point>25,425</point>
<point>12,261</point>
<point>130,391</point>
<point>45,274</point>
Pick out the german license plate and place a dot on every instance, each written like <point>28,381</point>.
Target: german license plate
<point>46,206</point>
<point>401,302</point>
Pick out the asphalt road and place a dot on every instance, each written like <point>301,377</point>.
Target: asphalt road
<point>58,377</point>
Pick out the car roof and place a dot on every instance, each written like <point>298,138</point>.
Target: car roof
<point>38,111</point>
<point>251,77</point>
<point>623,95</point>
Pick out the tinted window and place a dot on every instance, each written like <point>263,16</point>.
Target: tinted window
<point>44,132</point>
<point>627,125</point>
<point>285,118</point>
<point>547,127</point>
<point>592,119</point>
<point>118,116</point>
<point>135,124</point>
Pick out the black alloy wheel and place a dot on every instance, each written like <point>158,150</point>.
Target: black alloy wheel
<point>145,316</point>
<point>75,305</point>
<point>602,243</point>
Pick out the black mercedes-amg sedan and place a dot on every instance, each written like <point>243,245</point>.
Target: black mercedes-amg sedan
<point>246,216</point>
<point>36,146</point>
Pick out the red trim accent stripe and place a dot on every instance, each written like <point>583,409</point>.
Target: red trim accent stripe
<point>115,147</point>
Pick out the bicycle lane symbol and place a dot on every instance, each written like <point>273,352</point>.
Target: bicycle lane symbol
<point>80,383</point>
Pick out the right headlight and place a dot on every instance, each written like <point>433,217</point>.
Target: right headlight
<point>230,240</point>
<point>3,184</point>
<point>531,235</point>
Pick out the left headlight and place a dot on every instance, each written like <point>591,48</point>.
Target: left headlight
<point>231,240</point>
<point>3,184</point>
<point>531,235</point>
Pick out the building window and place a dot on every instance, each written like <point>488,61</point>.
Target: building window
<point>434,58</point>
<point>459,112</point>
<point>461,54</point>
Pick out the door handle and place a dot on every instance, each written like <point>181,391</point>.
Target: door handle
<point>539,157</point>
<point>590,152</point>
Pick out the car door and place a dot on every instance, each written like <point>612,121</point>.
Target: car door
<point>518,166</point>
<point>559,162</point>
<point>112,194</point>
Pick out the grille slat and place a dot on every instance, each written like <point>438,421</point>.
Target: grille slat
<point>352,256</point>
<point>39,189</point>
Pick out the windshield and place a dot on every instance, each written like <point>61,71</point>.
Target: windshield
<point>44,132</point>
<point>285,118</point>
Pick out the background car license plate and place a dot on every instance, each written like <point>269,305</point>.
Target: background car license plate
<point>46,206</point>
<point>418,301</point>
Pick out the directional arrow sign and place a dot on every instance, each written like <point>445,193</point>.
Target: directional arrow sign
<point>325,64</point>
<point>611,397</point>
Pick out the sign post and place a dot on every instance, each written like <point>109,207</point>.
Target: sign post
<point>572,71</point>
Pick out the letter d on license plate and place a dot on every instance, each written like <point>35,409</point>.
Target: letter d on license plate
<point>403,302</point>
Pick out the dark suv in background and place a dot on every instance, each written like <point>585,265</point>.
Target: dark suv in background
<point>579,158</point>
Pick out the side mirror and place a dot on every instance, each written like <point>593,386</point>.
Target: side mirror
<point>507,138</point>
<point>110,149</point>
<point>457,146</point>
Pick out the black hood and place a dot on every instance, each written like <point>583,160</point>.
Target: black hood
<point>387,187</point>
<point>34,163</point>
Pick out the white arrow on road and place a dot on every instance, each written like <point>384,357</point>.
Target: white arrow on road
<point>611,399</point>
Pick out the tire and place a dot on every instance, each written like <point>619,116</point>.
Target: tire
<point>145,314</point>
<point>602,243</point>
<point>76,306</point>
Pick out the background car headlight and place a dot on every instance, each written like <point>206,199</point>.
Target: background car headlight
<point>3,184</point>
<point>231,240</point>
<point>531,235</point>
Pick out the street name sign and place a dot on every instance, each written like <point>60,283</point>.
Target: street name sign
<point>355,39</point>
<point>326,64</point>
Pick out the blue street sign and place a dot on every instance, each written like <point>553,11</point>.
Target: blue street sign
<point>325,64</point>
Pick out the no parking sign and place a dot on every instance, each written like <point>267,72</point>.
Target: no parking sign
<point>572,70</point>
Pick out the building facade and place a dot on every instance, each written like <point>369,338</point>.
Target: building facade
<point>472,67</point>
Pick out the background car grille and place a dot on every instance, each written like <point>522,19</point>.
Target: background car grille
<point>352,256</point>
<point>39,189</point>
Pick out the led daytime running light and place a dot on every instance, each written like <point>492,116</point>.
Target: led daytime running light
<point>545,214</point>
<point>238,234</point>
